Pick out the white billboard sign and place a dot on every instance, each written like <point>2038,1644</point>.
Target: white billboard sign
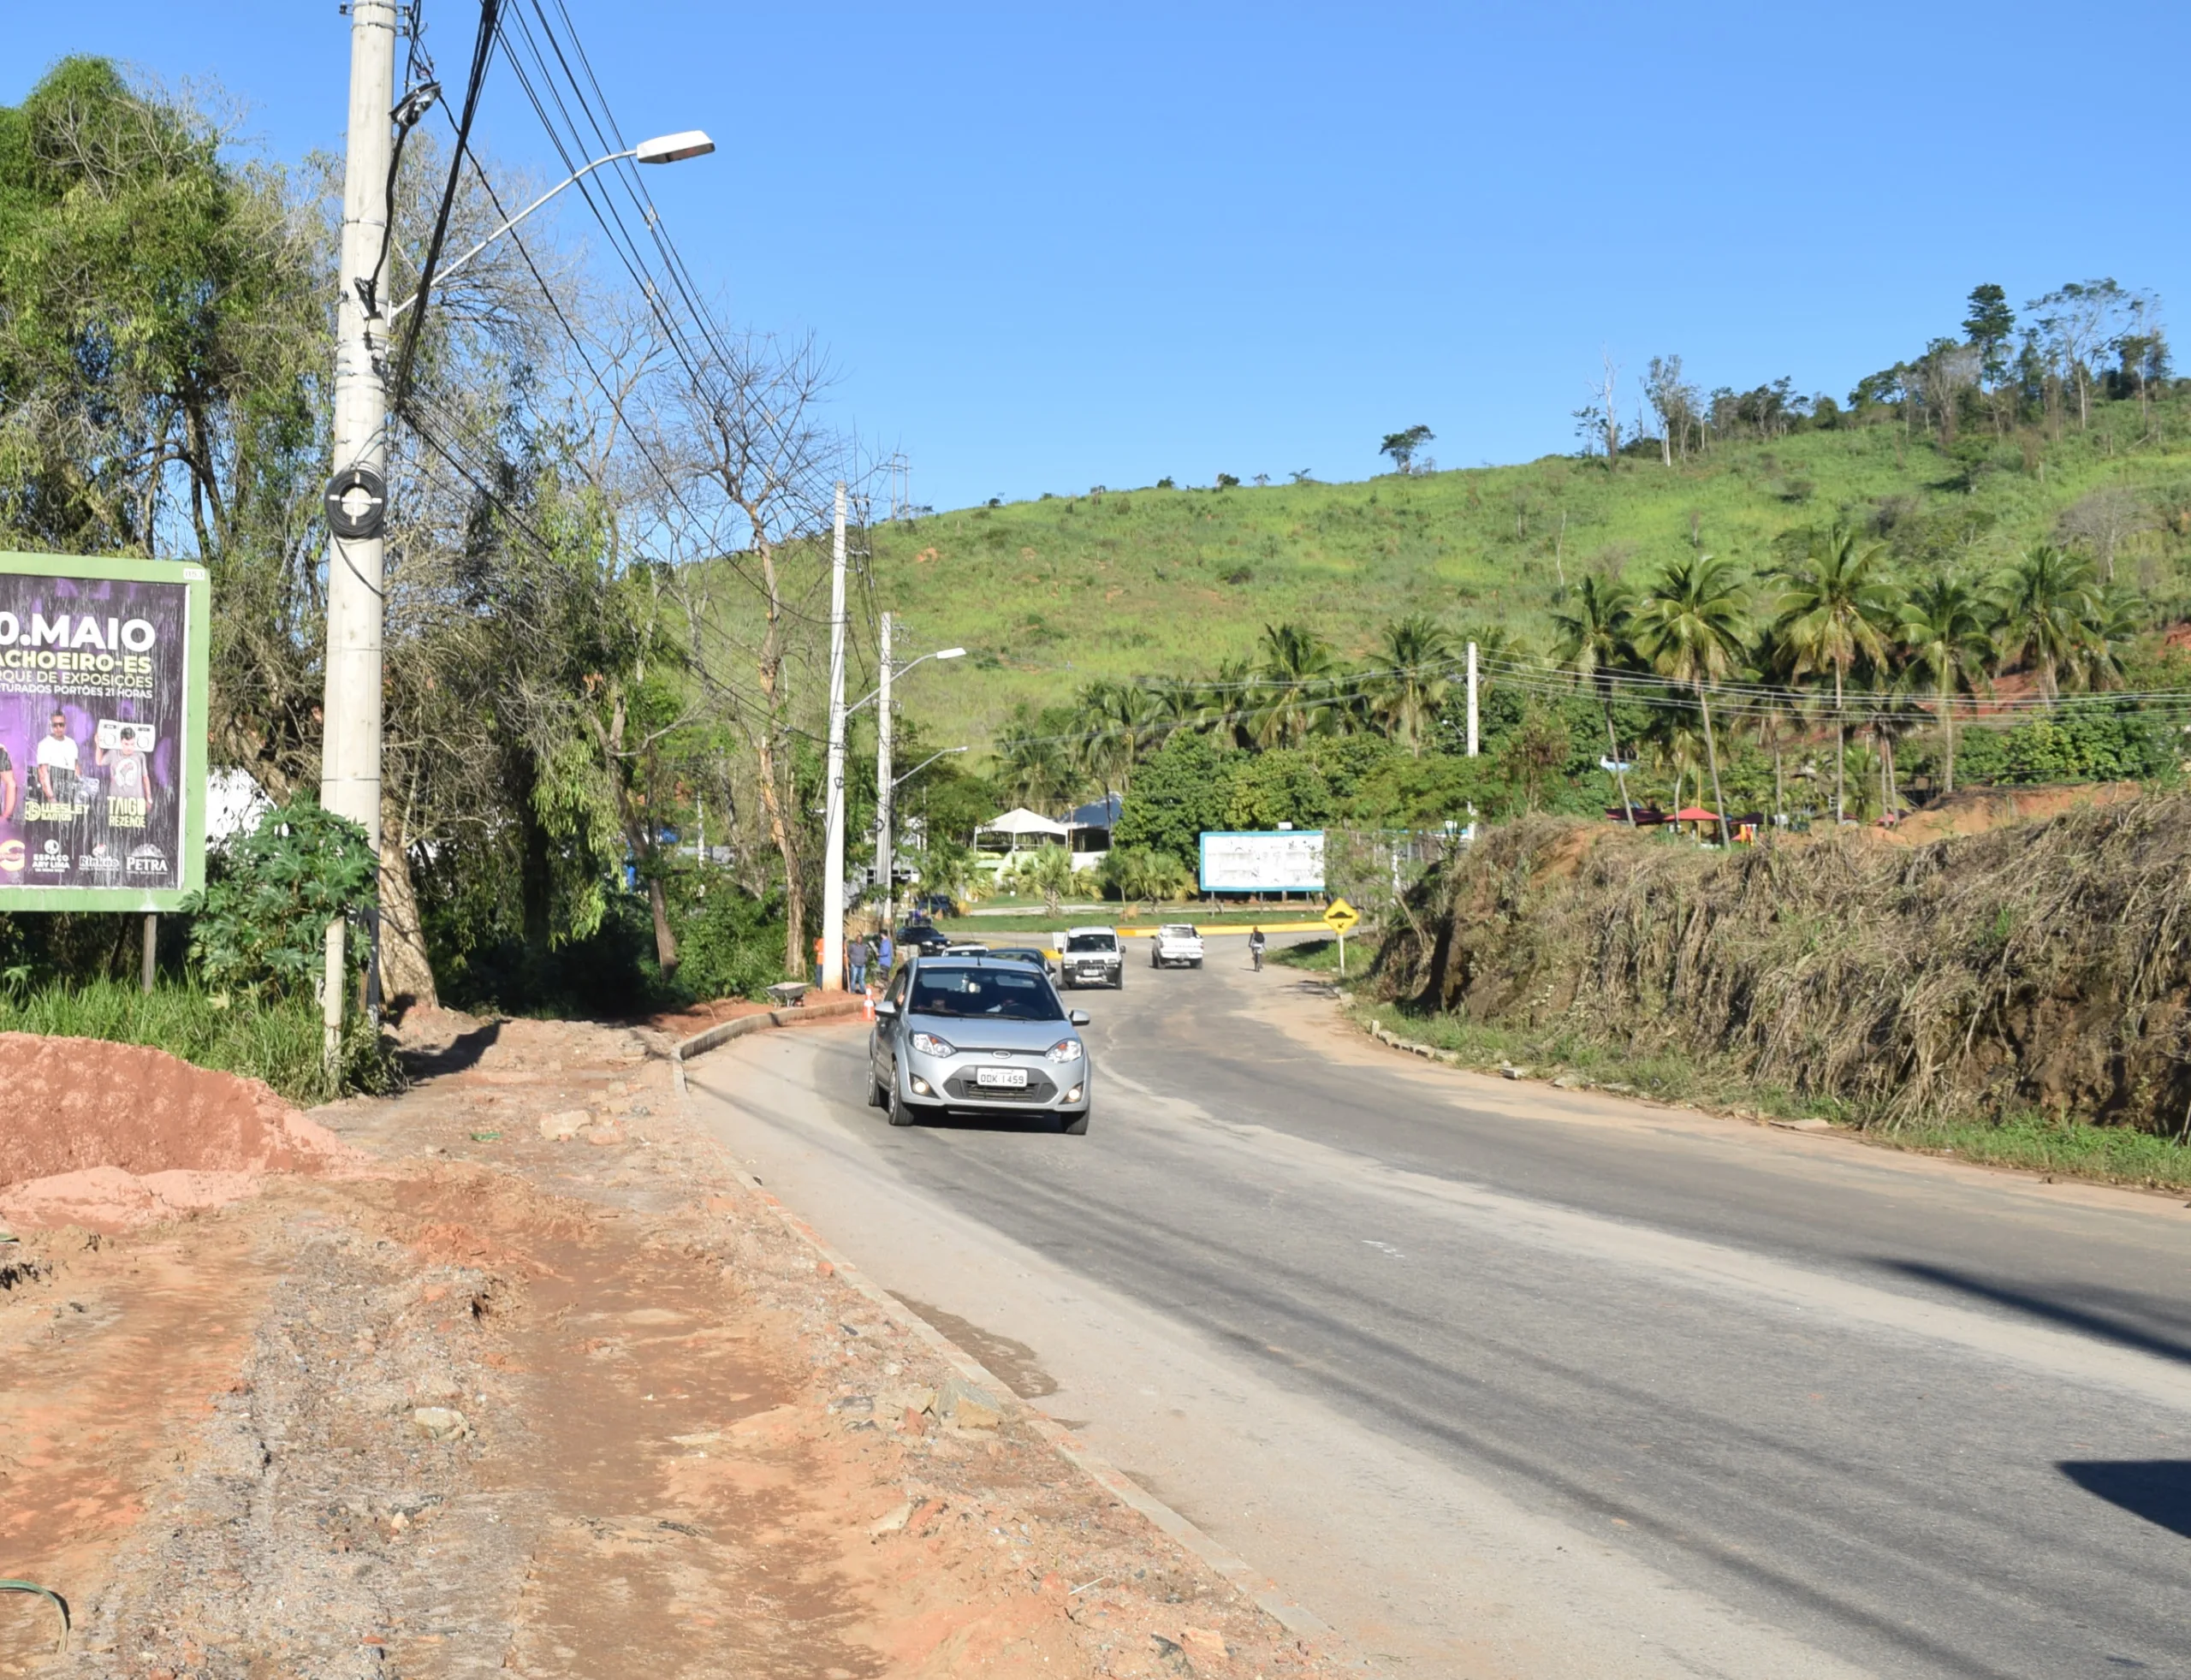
<point>1273,860</point>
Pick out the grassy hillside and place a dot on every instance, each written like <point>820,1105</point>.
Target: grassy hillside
<point>1051,593</point>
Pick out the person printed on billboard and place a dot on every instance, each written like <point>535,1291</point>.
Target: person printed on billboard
<point>7,786</point>
<point>57,752</point>
<point>129,781</point>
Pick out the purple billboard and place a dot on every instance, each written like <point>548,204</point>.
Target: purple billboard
<point>96,756</point>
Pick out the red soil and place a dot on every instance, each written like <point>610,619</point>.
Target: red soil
<point>109,1136</point>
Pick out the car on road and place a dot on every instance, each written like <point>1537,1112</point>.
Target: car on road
<point>965,947</point>
<point>1177,943</point>
<point>1091,957</point>
<point>1025,953</point>
<point>977,1034</point>
<point>923,938</point>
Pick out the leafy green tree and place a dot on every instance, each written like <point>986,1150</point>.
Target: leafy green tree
<point>1143,874</point>
<point>2050,605</point>
<point>1989,323</point>
<point>1692,623</point>
<point>1943,635</point>
<point>1404,446</point>
<point>1047,872</point>
<point>1180,794</point>
<point>1835,608</point>
<point>1034,767</point>
<point>1416,654</point>
<point>1591,627</point>
<point>1296,668</point>
<point>1266,789</point>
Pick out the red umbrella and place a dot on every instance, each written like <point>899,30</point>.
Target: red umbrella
<point>1696,814</point>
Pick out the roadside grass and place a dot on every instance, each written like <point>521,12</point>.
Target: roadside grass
<point>277,1043</point>
<point>2034,1143</point>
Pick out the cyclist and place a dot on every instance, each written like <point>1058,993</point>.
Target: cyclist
<point>1256,948</point>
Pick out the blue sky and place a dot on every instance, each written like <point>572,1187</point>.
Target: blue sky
<point>1052,248</point>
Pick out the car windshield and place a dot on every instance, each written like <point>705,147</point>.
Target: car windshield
<point>1091,943</point>
<point>1177,928</point>
<point>1016,994</point>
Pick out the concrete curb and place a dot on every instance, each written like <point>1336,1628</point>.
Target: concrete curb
<point>1296,1617</point>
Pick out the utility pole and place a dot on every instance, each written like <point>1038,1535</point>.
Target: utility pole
<point>349,772</point>
<point>833,874</point>
<point>1471,699</point>
<point>885,801</point>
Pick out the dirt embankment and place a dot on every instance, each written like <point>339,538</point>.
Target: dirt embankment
<point>2040,965</point>
<point>542,1389</point>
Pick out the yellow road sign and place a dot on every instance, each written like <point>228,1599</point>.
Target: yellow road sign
<point>1340,916</point>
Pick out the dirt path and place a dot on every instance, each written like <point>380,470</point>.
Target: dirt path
<point>544,1390</point>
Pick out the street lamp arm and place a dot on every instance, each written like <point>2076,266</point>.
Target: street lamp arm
<point>574,181</point>
<point>940,653</point>
<point>898,781</point>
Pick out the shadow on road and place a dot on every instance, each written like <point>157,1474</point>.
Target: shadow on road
<point>2156,1489</point>
<point>2082,1316</point>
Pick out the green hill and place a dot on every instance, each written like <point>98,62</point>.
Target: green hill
<point>1166,583</point>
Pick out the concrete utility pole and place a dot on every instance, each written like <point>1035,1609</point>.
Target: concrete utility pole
<point>886,795</point>
<point>1471,699</point>
<point>349,774</point>
<point>833,873</point>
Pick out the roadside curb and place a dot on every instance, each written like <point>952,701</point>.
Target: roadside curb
<point>1296,1618</point>
<point>723,1032</point>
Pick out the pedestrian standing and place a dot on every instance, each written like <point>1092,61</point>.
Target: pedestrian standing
<point>818,962</point>
<point>855,961</point>
<point>886,953</point>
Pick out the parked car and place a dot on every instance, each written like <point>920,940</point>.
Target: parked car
<point>981,1035</point>
<point>1176,942</point>
<point>937,903</point>
<point>1091,957</point>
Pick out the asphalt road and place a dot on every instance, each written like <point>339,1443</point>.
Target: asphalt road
<point>1502,1381</point>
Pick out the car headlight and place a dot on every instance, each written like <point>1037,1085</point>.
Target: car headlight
<point>1065,1050</point>
<point>929,1045</point>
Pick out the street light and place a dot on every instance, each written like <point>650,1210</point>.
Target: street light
<point>662,149</point>
<point>888,677</point>
<point>900,781</point>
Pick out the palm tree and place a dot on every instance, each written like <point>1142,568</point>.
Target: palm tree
<point>2050,603</point>
<point>1692,623</point>
<point>1593,629</point>
<point>1416,653</point>
<point>1297,665</point>
<point>1836,609</point>
<point>2097,663</point>
<point>1943,635</point>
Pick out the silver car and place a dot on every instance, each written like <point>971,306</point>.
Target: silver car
<point>980,1036</point>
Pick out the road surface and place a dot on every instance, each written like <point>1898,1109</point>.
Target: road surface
<point>1501,1381</point>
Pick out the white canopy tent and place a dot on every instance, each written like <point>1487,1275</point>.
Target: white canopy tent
<point>1018,828</point>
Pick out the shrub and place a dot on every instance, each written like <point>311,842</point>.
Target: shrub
<point>259,927</point>
<point>730,945</point>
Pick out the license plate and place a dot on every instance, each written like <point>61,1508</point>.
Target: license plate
<point>1011,1078</point>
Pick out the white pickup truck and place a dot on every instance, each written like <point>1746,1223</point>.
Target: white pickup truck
<point>1176,942</point>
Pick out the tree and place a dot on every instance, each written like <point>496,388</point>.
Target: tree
<point>1988,324</point>
<point>1944,372</point>
<point>1417,654</point>
<point>1944,636</point>
<point>1835,608</point>
<point>2080,318</point>
<point>1691,623</point>
<point>2049,604</point>
<point>2101,521</point>
<point>1402,446</point>
<point>1592,626</point>
<point>1047,872</point>
<point>1180,794</point>
<point>1295,670</point>
<point>1675,402</point>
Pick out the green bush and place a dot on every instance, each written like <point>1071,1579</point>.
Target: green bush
<point>259,926</point>
<point>730,945</point>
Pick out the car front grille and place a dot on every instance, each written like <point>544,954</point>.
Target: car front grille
<point>1038,1090</point>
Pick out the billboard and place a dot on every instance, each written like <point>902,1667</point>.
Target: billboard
<point>1272,860</point>
<point>103,719</point>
